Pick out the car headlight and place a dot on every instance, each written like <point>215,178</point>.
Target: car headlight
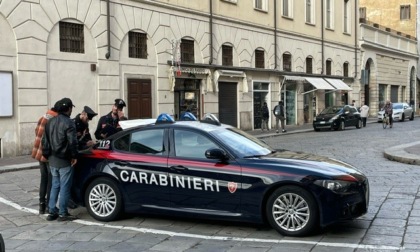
<point>334,118</point>
<point>314,119</point>
<point>397,113</point>
<point>337,186</point>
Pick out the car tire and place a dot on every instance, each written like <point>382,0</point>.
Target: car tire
<point>359,124</point>
<point>412,116</point>
<point>103,200</point>
<point>2,245</point>
<point>341,125</point>
<point>402,118</point>
<point>287,203</point>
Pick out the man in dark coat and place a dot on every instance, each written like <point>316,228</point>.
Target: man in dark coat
<point>280,115</point>
<point>109,123</point>
<point>82,127</point>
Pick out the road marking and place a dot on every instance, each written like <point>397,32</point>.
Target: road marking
<point>217,238</point>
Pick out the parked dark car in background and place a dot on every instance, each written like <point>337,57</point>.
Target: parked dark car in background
<point>337,118</point>
<point>400,112</point>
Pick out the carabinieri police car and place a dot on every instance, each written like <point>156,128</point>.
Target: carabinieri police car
<point>211,170</point>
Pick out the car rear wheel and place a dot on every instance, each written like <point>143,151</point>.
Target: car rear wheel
<point>412,116</point>
<point>359,124</point>
<point>402,118</point>
<point>342,126</point>
<point>292,211</point>
<point>103,200</point>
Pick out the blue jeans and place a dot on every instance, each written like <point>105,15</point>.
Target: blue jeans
<point>61,184</point>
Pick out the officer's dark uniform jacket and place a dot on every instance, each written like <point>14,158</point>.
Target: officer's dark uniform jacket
<point>82,130</point>
<point>60,132</point>
<point>107,125</point>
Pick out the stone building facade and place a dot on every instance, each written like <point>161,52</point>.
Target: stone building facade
<point>210,56</point>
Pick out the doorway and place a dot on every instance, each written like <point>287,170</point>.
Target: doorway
<point>228,100</point>
<point>187,97</point>
<point>139,98</point>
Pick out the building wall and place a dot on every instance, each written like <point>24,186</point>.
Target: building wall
<point>29,47</point>
<point>387,13</point>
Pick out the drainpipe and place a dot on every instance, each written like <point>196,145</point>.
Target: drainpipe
<point>275,34</point>
<point>356,26</point>
<point>322,37</point>
<point>211,32</point>
<point>108,54</point>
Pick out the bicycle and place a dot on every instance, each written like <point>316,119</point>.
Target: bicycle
<point>385,121</point>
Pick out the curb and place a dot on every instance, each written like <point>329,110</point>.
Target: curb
<point>398,153</point>
<point>18,167</point>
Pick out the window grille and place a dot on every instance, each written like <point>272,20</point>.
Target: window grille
<point>137,45</point>
<point>187,51</point>
<point>71,37</point>
<point>259,59</point>
<point>227,55</point>
<point>287,62</point>
<point>309,65</point>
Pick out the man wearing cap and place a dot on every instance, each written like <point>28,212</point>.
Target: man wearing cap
<point>109,123</point>
<point>82,127</point>
<point>60,144</point>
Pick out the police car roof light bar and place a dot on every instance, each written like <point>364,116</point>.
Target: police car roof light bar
<point>188,116</point>
<point>211,119</point>
<point>164,118</point>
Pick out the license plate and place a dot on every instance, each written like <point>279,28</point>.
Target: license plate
<point>322,122</point>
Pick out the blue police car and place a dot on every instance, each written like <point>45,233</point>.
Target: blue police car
<point>211,170</point>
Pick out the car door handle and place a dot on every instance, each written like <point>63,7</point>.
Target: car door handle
<point>121,163</point>
<point>178,168</point>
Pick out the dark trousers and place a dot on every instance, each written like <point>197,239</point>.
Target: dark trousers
<point>364,119</point>
<point>45,185</point>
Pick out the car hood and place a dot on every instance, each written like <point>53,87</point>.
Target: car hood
<point>325,116</point>
<point>306,163</point>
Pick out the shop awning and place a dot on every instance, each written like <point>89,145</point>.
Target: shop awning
<point>319,83</point>
<point>338,84</point>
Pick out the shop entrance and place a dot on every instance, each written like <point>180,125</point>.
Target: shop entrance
<point>187,97</point>
<point>228,99</point>
<point>260,96</point>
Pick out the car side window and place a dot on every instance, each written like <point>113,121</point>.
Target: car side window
<point>191,144</point>
<point>353,110</point>
<point>143,142</point>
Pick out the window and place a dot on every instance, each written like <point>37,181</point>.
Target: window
<point>310,12</point>
<point>287,62</point>
<point>346,69</point>
<point>259,59</point>
<point>362,12</point>
<point>227,55</point>
<point>346,16</point>
<point>309,65</point>
<point>190,144</point>
<point>328,66</point>
<point>405,12</point>
<point>261,5</point>
<point>71,37</point>
<point>287,8</point>
<point>187,51</point>
<point>329,14</point>
<point>137,45</point>
<point>143,142</point>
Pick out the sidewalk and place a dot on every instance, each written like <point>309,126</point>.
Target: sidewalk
<point>406,153</point>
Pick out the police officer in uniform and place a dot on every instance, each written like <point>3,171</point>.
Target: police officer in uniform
<point>109,123</point>
<point>82,127</point>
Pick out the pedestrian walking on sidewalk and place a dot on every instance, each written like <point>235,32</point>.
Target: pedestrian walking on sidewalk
<point>265,116</point>
<point>364,113</point>
<point>280,115</point>
<point>60,145</point>
<point>45,183</point>
<point>389,111</point>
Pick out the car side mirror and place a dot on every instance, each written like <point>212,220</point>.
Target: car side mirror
<point>216,153</point>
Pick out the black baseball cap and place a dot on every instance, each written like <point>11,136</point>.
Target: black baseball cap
<point>119,103</point>
<point>63,104</point>
<point>90,113</point>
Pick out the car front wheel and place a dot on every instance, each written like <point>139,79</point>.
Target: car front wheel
<point>359,124</point>
<point>412,116</point>
<point>292,211</point>
<point>103,200</point>
<point>402,118</point>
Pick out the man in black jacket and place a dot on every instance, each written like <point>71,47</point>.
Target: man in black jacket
<point>82,127</point>
<point>109,123</point>
<point>60,141</point>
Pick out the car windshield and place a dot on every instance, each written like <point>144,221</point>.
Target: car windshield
<point>331,110</point>
<point>243,144</point>
<point>397,106</point>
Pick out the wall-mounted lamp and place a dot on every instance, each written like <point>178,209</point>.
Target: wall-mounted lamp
<point>93,67</point>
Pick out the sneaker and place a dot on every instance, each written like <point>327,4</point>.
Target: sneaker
<point>42,208</point>
<point>52,216</point>
<point>284,131</point>
<point>66,217</point>
<point>277,131</point>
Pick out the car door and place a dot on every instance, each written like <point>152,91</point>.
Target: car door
<point>140,163</point>
<point>199,184</point>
